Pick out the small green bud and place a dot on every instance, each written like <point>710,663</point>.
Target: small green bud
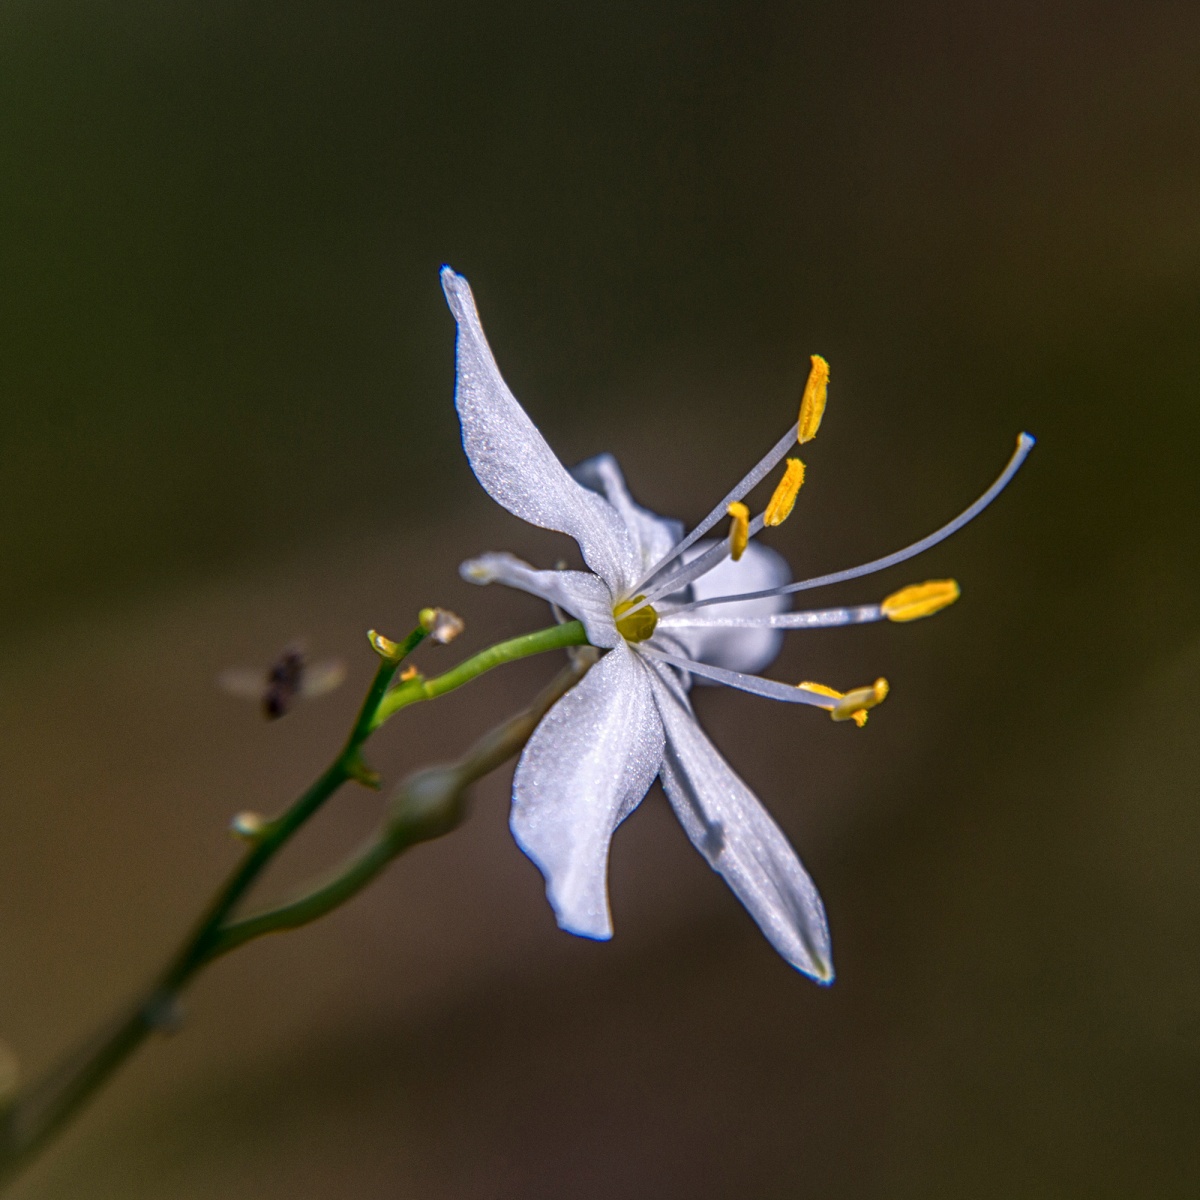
<point>441,624</point>
<point>427,804</point>
<point>247,826</point>
<point>383,646</point>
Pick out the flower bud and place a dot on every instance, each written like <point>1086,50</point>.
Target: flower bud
<point>247,826</point>
<point>441,624</point>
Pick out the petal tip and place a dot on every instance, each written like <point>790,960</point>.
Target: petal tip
<point>598,932</point>
<point>822,974</point>
<point>477,570</point>
<point>456,290</point>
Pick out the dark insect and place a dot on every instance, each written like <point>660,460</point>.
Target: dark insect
<point>289,678</point>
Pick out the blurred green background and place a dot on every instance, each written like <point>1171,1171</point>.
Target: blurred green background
<point>226,421</point>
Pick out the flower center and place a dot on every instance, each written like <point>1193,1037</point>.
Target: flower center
<point>638,626</point>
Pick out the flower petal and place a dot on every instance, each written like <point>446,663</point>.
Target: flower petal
<point>728,825</point>
<point>748,650</point>
<point>583,772</point>
<point>582,595</point>
<point>653,535</point>
<point>512,461</point>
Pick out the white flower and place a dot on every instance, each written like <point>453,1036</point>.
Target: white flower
<point>647,600</point>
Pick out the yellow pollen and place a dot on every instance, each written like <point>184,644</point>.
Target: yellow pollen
<point>812,406</point>
<point>920,600</point>
<point>821,689</point>
<point>638,626</point>
<point>739,529</point>
<point>851,706</point>
<point>780,506</point>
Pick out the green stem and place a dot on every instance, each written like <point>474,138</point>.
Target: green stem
<point>429,804</point>
<point>38,1111</point>
<point>557,637</point>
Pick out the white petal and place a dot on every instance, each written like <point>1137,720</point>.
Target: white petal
<point>729,826</point>
<point>582,595</point>
<point>512,460</point>
<point>748,650</point>
<point>653,535</point>
<point>584,770</point>
<point>667,643</point>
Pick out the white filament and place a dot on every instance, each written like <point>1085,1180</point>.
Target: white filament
<point>756,476</point>
<point>821,618</point>
<point>754,684</point>
<point>1025,443</point>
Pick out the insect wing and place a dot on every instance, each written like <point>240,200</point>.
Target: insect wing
<point>322,677</point>
<point>243,682</point>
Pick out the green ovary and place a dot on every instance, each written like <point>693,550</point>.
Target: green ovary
<point>638,626</point>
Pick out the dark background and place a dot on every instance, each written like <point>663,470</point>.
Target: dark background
<point>226,420</point>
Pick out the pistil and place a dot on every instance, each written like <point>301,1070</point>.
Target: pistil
<point>639,624</point>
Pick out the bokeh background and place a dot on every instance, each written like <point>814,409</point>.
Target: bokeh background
<point>226,421</point>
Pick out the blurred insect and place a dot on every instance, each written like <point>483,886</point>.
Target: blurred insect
<point>289,678</point>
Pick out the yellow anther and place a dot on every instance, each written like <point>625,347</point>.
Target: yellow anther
<point>812,406</point>
<point>739,529</point>
<point>780,506</point>
<point>920,600</point>
<point>638,626</point>
<point>408,673</point>
<point>851,706</point>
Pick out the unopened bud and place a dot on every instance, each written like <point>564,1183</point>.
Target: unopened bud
<point>247,826</point>
<point>383,646</point>
<point>164,1013</point>
<point>441,624</point>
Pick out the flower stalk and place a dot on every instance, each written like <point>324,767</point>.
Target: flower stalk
<point>556,637</point>
<point>429,804</point>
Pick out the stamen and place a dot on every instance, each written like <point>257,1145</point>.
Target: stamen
<point>739,529</point>
<point>700,565</point>
<point>851,706</point>
<point>760,471</point>
<point>756,685</point>
<point>920,600</point>
<point>812,406</point>
<point>1025,443</point>
<point>780,506</point>
<point>821,618</point>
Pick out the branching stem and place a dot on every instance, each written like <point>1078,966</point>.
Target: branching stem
<point>429,804</point>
